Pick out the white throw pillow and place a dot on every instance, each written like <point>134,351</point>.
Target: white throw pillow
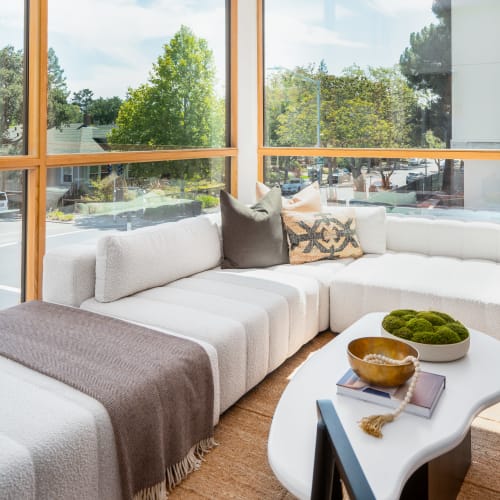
<point>370,226</point>
<point>130,262</point>
<point>306,200</point>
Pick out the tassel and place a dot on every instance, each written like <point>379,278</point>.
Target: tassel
<point>177,472</point>
<point>372,424</point>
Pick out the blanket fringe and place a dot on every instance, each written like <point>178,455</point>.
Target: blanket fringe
<point>177,472</point>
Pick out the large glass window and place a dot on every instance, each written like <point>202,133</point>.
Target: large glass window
<point>369,74</point>
<point>12,78</point>
<point>408,186</point>
<point>11,236</point>
<point>140,75</point>
<point>127,196</point>
<point>389,75</point>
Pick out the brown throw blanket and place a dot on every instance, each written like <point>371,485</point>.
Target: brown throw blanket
<point>157,388</point>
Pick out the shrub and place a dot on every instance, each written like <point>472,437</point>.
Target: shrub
<point>425,327</point>
<point>60,216</point>
<point>208,201</point>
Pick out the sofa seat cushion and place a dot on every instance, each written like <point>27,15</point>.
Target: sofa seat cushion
<point>253,318</point>
<point>225,335</point>
<point>323,272</point>
<point>466,289</point>
<point>301,293</point>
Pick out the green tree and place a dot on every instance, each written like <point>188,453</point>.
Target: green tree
<point>11,94</point>
<point>104,111</point>
<point>59,111</point>
<point>83,99</point>
<point>177,107</point>
<point>426,64</point>
<point>373,108</point>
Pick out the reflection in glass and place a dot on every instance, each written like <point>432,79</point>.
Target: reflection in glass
<point>421,82</point>
<point>411,186</point>
<point>361,80</point>
<point>11,234</point>
<point>159,84</point>
<point>12,78</point>
<point>128,196</point>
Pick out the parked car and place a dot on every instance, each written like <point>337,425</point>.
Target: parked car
<point>4,201</point>
<point>413,176</point>
<point>293,186</point>
<point>339,176</point>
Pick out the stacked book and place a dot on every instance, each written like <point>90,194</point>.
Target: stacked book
<point>425,396</point>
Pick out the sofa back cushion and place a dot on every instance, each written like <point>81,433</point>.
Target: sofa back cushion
<point>253,236</point>
<point>370,226</point>
<point>130,262</point>
<point>449,238</point>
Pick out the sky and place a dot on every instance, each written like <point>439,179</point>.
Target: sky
<point>110,45</point>
<point>341,32</point>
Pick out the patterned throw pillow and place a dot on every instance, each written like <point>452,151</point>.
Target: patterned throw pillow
<point>321,236</point>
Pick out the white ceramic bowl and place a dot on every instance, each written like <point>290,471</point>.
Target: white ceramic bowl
<point>435,352</point>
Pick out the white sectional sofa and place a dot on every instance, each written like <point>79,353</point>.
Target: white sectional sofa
<point>168,277</point>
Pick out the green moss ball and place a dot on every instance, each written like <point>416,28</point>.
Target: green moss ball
<point>446,335</point>
<point>459,329</point>
<point>392,323</point>
<point>432,318</point>
<point>425,327</point>
<point>419,325</point>
<point>403,312</point>
<point>447,318</point>
<point>407,317</point>
<point>426,337</point>
<point>404,333</point>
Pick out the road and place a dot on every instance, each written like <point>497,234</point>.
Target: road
<point>58,234</point>
<point>345,191</point>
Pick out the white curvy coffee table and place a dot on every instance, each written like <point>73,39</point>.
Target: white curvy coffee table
<point>472,384</point>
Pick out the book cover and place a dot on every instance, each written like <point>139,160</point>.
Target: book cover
<point>425,397</point>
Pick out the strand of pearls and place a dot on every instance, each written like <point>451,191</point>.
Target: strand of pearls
<point>372,424</point>
<point>380,359</point>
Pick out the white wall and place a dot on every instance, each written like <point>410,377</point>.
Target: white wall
<point>475,95</point>
<point>247,100</point>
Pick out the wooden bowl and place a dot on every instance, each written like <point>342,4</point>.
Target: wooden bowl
<point>385,375</point>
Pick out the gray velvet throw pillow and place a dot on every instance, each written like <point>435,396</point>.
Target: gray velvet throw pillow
<point>253,236</point>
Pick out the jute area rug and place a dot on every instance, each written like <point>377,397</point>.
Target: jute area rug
<point>238,468</point>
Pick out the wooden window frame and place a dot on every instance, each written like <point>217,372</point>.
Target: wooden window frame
<point>37,161</point>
